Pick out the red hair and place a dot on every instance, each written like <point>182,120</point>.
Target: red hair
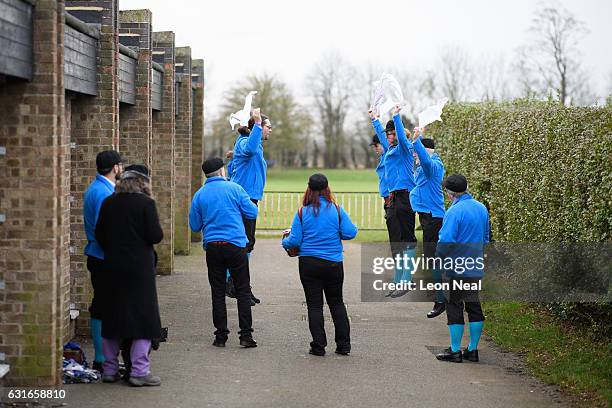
<point>311,197</point>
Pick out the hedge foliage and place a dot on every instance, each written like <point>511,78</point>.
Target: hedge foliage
<point>545,173</point>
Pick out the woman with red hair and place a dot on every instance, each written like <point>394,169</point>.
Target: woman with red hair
<point>317,231</point>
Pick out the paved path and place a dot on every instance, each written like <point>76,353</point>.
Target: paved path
<point>390,365</point>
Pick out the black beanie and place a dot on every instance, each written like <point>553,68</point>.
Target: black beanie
<point>456,183</point>
<point>317,182</point>
<point>428,143</point>
<point>390,126</point>
<point>212,165</point>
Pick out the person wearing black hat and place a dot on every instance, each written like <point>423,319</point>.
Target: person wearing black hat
<point>109,165</point>
<point>127,229</point>
<point>427,199</point>
<point>217,210</point>
<point>464,233</point>
<point>317,231</point>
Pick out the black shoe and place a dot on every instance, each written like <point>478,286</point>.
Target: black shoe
<point>219,341</point>
<point>450,356</point>
<point>398,293</point>
<point>317,352</point>
<point>388,294</point>
<point>254,299</point>
<point>438,309</point>
<point>343,352</point>
<point>248,342</point>
<point>98,366</point>
<point>470,355</point>
<point>252,302</point>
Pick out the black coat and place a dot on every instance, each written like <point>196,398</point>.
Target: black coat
<point>127,228</point>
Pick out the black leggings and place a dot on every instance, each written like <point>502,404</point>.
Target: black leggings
<point>463,299</point>
<point>320,276</point>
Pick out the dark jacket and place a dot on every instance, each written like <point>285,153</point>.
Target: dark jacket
<point>127,228</point>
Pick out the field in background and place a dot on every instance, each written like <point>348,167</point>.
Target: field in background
<point>355,190</point>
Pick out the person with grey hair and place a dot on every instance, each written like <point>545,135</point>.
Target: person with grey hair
<point>127,229</point>
<point>217,210</point>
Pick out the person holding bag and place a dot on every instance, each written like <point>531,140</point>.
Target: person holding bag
<point>317,232</point>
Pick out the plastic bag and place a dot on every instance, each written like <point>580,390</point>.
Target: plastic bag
<point>386,94</point>
<point>432,113</point>
<point>242,116</point>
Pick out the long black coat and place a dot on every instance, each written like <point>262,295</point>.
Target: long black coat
<point>127,228</point>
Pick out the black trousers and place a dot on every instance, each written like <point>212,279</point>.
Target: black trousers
<point>319,276</point>
<point>97,272</point>
<point>219,259</point>
<point>431,228</point>
<point>400,222</point>
<point>460,300</point>
<point>249,228</point>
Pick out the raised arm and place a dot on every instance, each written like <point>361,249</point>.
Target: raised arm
<point>427,164</point>
<point>348,230</point>
<point>294,240</point>
<point>402,139</point>
<point>378,128</point>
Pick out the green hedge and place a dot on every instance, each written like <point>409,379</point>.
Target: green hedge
<point>544,171</point>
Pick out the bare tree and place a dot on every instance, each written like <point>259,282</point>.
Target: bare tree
<point>493,79</point>
<point>550,64</point>
<point>456,74</point>
<point>331,85</point>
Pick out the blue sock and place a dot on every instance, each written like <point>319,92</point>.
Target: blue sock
<point>398,275</point>
<point>475,332</point>
<point>456,333</point>
<point>437,278</point>
<point>96,336</point>
<point>407,272</point>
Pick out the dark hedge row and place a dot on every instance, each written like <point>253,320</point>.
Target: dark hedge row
<point>544,171</point>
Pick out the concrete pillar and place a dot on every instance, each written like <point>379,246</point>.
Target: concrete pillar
<point>182,152</point>
<point>197,126</point>
<point>34,222</point>
<point>163,150</point>
<point>94,128</point>
<point>135,121</point>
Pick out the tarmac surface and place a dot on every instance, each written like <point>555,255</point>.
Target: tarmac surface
<point>391,363</point>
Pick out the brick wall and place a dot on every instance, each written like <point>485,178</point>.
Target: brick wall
<point>163,150</point>
<point>135,120</point>
<point>94,128</point>
<point>182,152</point>
<point>34,197</point>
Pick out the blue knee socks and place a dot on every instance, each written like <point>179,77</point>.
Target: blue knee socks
<point>96,336</point>
<point>475,332</point>
<point>407,272</point>
<point>456,333</point>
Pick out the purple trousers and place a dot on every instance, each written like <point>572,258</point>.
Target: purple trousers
<point>139,354</point>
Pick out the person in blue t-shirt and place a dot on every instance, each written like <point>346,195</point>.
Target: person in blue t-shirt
<point>427,199</point>
<point>217,210</point>
<point>109,165</point>
<point>464,233</point>
<point>317,231</point>
<point>249,167</point>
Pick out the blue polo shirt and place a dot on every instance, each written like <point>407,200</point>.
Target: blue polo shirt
<point>95,195</point>
<point>399,163</point>
<point>248,165</point>
<point>427,195</point>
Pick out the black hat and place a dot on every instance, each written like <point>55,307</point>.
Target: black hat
<point>375,140</point>
<point>428,143</point>
<point>136,170</point>
<point>390,126</point>
<point>107,159</point>
<point>212,165</point>
<point>317,182</point>
<point>456,183</point>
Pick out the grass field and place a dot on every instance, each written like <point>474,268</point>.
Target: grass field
<point>340,180</point>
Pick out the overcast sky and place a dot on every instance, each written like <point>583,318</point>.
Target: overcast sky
<point>238,37</point>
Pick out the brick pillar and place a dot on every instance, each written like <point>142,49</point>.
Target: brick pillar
<point>163,150</point>
<point>135,120</point>
<point>94,128</point>
<point>182,152</point>
<point>34,202</point>
<point>197,125</point>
